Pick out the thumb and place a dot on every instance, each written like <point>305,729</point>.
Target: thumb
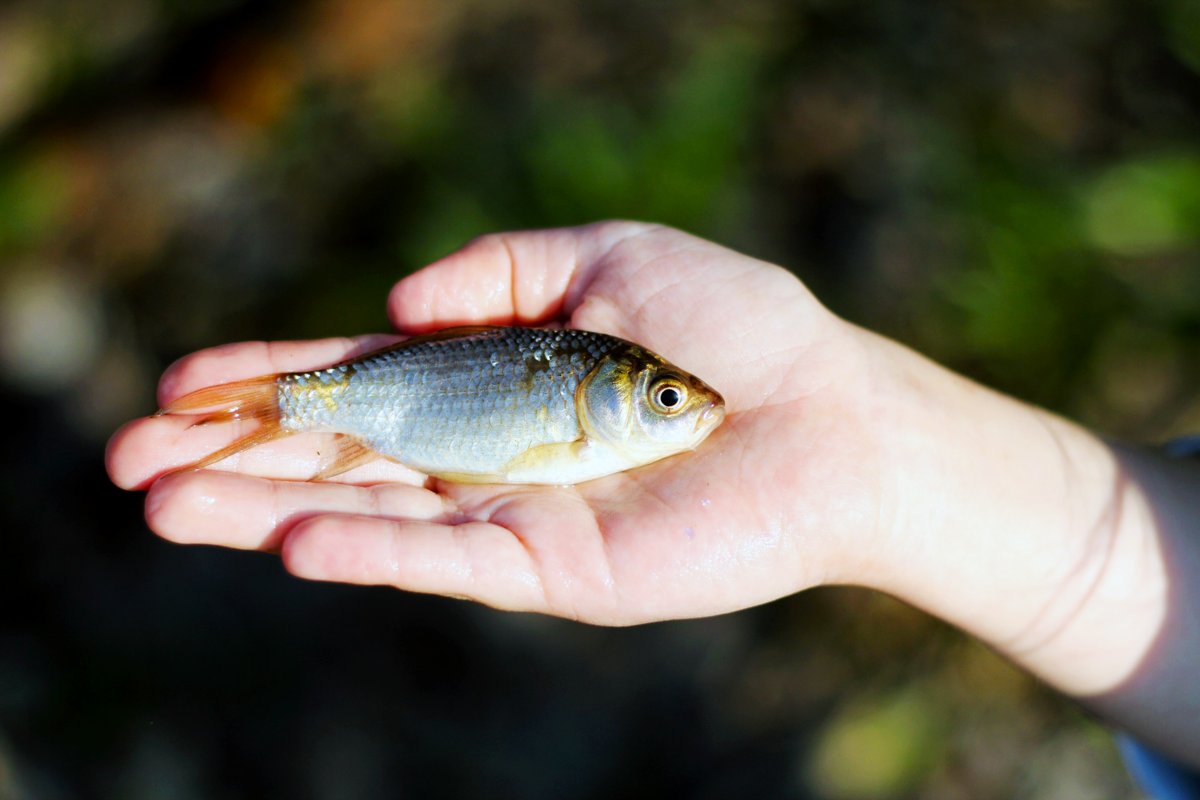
<point>521,278</point>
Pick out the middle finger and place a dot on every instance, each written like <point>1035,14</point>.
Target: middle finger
<point>221,508</point>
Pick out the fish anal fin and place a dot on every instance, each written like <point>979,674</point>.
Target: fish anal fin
<point>348,453</point>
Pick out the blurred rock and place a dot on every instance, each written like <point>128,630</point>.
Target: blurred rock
<point>51,328</point>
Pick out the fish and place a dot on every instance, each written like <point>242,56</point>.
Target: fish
<point>479,404</point>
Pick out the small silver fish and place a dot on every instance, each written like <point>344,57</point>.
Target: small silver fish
<point>480,405</point>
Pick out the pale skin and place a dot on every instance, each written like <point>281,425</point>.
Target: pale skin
<point>844,459</point>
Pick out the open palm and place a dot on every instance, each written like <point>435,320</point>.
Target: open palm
<point>782,496</point>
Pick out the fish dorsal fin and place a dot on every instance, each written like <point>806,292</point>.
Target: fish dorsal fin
<point>460,332</point>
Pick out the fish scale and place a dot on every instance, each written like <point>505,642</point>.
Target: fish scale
<point>480,404</point>
<point>425,405</point>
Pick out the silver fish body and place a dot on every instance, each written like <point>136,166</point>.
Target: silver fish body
<point>483,404</point>
<point>468,405</point>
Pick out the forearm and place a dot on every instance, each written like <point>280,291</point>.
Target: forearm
<point>1078,560</point>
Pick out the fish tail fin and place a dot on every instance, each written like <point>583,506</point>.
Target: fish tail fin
<point>257,398</point>
<point>267,433</point>
<point>254,399</point>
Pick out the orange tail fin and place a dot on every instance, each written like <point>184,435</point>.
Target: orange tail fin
<point>254,399</point>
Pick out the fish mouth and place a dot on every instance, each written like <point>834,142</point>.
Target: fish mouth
<point>711,417</point>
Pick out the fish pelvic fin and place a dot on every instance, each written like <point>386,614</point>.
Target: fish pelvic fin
<point>253,399</point>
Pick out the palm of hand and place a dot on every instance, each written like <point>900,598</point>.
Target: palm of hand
<point>762,509</point>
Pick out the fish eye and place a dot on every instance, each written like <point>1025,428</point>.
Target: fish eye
<point>668,396</point>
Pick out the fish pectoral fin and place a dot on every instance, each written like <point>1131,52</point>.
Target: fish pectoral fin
<point>348,453</point>
<point>546,457</point>
<point>466,477</point>
<point>535,465</point>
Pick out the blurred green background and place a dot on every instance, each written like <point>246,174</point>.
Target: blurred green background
<point>1010,186</point>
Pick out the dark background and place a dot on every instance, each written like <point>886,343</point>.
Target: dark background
<point>1011,186</point>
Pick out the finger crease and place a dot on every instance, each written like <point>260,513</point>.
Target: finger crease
<point>374,504</point>
<point>512,277</point>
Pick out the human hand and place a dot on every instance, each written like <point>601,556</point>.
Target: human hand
<point>743,520</point>
<point>844,458</point>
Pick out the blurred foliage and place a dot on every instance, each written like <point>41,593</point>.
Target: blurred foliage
<point>1012,188</point>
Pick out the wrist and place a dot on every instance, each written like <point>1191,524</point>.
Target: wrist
<point>1013,524</point>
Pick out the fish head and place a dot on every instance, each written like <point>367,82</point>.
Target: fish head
<point>647,407</point>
